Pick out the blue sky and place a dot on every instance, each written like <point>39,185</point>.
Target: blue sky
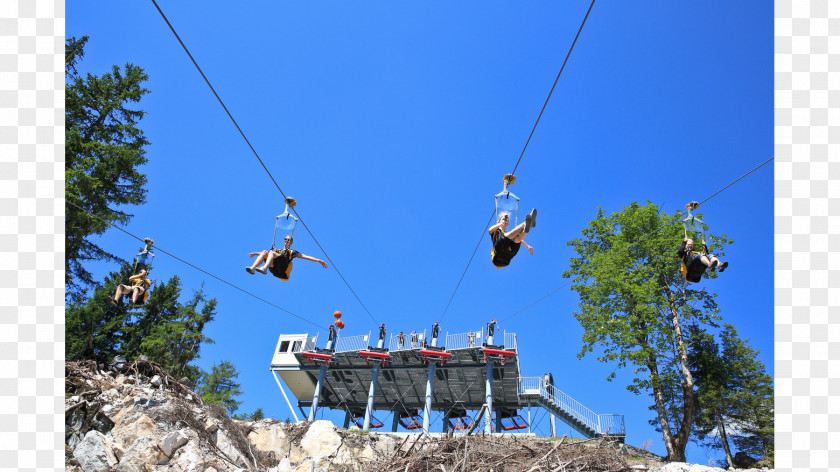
<point>392,125</point>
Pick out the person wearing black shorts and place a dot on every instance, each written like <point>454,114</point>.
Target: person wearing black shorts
<point>279,261</point>
<point>695,264</point>
<point>506,245</point>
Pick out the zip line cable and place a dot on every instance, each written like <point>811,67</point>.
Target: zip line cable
<point>637,241</point>
<point>568,54</point>
<point>552,87</point>
<point>157,248</point>
<point>468,264</point>
<point>200,71</point>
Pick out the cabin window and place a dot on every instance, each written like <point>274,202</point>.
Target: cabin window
<point>284,346</point>
<point>296,346</point>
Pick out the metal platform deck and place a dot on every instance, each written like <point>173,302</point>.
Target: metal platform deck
<point>460,381</point>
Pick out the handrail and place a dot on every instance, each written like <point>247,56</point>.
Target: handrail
<point>352,343</point>
<point>462,340</point>
<point>601,424</point>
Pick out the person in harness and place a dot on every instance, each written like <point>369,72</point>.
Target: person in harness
<point>279,261</point>
<point>694,265</point>
<point>506,245</point>
<point>138,290</point>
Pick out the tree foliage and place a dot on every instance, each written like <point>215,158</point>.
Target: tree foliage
<point>633,303</point>
<point>219,386</point>
<point>103,150</point>
<point>257,415</point>
<point>734,394</point>
<point>167,331</point>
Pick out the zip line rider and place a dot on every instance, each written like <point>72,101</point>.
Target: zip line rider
<point>506,245</point>
<point>279,261</point>
<point>696,263</point>
<point>138,290</point>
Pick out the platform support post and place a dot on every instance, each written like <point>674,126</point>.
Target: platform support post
<point>446,421</point>
<point>371,394</point>
<point>498,423</point>
<point>346,419</point>
<point>427,410</point>
<point>315,398</point>
<point>396,412</point>
<point>488,389</point>
<point>553,425</point>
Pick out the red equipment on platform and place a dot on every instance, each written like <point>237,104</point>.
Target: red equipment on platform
<point>383,356</point>
<point>317,356</point>
<point>442,355</point>
<point>501,353</point>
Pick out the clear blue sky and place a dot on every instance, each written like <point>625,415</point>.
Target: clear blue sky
<point>392,124</point>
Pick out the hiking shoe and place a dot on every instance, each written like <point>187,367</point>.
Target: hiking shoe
<point>261,270</point>
<point>249,270</point>
<point>528,223</point>
<point>534,218</point>
<point>112,302</point>
<point>714,264</point>
<point>724,266</point>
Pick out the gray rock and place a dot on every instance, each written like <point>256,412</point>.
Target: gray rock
<point>94,454</point>
<point>143,358</point>
<point>156,381</point>
<point>173,441</point>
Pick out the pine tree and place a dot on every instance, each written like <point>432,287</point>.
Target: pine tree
<point>752,395</point>
<point>632,307</point>
<point>218,386</point>
<point>103,150</point>
<point>93,328</point>
<point>173,333</point>
<point>734,395</point>
<point>712,376</point>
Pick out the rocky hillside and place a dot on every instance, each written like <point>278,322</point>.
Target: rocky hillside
<point>133,417</point>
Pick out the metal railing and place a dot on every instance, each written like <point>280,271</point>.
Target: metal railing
<point>601,424</point>
<point>352,343</point>
<point>462,340</point>
<point>310,343</point>
<point>394,343</point>
<point>510,341</point>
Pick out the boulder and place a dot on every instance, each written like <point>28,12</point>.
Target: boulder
<point>131,424</point>
<point>144,451</point>
<point>226,446</point>
<point>173,441</point>
<point>321,439</point>
<point>94,454</point>
<point>188,458</point>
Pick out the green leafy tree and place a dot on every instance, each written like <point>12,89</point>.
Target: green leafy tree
<point>633,303</point>
<point>103,148</point>
<point>219,386</point>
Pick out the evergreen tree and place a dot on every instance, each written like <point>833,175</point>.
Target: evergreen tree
<point>93,328</point>
<point>172,333</point>
<point>255,416</point>
<point>752,395</point>
<point>712,376</point>
<point>103,149</point>
<point>218,386</point>
<point>734,395</point>
<point>633,305</point>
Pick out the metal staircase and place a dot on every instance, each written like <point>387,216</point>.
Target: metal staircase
<point>580,418</point>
